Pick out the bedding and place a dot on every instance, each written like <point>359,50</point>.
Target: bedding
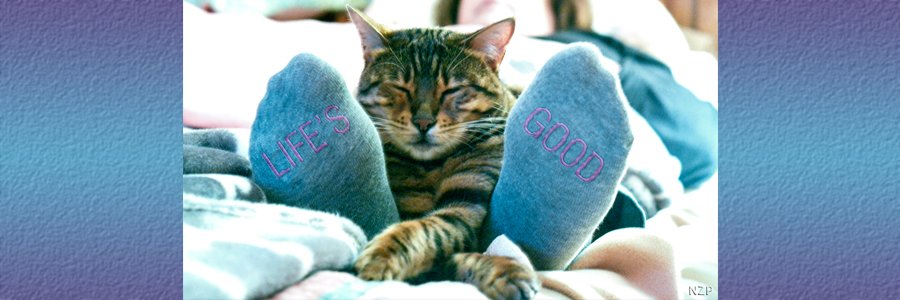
<point>235,249</point>
<point>237,246</point>
<point>675,257</point>
<point>629,263</point>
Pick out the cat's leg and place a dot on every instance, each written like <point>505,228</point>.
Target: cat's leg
<point>497,277</point>
<point>414,247</point>
<point>567,139</point>
<point>428,249</point>
<point>313,146</point>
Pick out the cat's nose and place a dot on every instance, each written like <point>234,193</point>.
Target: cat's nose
<point>424,124</point>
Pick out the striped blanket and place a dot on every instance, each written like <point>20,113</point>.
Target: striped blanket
<point>237,246</point>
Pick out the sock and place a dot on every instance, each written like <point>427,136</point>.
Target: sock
<point>312,146</point>
<point>567,139</point>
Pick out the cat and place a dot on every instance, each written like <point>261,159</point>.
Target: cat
<point>440,110</point>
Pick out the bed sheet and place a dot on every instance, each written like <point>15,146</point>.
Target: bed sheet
<point>674,257</point>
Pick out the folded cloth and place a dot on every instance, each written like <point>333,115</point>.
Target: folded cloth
<point>223,187</point>
<point>218,151</point>
<point>241,250</point>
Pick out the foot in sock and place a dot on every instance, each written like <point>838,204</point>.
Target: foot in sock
<point>313,146</point>
<point>567,139</point>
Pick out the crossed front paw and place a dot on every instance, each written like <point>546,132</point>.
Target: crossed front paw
<point>497,277</point>
<point>396,254</point>
<point>404,251</point>
<point>380,266</point>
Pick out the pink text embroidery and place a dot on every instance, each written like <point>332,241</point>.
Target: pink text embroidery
<point>565,136</point>
<point>306,140</point>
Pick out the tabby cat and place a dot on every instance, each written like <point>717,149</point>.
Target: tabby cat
<point>440,110</point>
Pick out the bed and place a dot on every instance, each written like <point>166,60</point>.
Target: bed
<point>228,59</point>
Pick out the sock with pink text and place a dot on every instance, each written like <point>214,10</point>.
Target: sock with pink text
<point>567,138</point>
<point>312,146</point>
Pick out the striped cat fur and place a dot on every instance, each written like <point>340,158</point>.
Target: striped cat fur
<point>440,110</point>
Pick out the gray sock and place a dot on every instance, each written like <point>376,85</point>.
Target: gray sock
<point>312,146</point>
<point>567,139</point>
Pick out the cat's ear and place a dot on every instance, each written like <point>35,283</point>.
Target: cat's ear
<point>370,32</point>
<point>491,41</point>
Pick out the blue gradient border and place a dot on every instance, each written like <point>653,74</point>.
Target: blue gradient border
<point>90,98</point>
<point>90,94</point>
<point>810,135</point>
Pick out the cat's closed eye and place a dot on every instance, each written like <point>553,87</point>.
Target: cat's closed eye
<point>457,97</point>
<point>400,91</point>
<point>387,102</point>
<point>387,95</point>
<point>452,94</point>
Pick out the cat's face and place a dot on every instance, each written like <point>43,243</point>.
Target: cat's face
<point>430,91</point>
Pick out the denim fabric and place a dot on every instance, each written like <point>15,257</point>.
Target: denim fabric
<point>688,126</point>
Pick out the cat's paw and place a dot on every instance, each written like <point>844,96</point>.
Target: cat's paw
<point>497,277</point>
<point>399,253</point>
<point>380,264</point>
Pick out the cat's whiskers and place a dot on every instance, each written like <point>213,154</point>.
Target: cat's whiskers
<point>392,130</point>
<point>476,127</point>
<point>483,123</point>
<point>386,122</point>
<point>396,58</point>
<point>461,140</point>
<point>501,107</point>
<point>446,132</point>
<point>456,60</point>
<point>390,63</point>
<point>489,120</point>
